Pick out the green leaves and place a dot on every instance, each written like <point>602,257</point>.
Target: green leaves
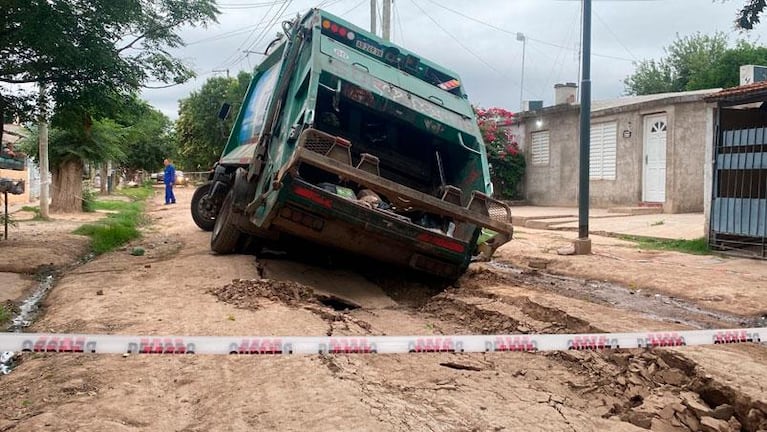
<point>200,134</point>
<point>87,47</point>
<point>749,15</point>
<point>695,62</point>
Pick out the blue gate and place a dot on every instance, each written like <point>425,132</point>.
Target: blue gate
<point>739,201</point>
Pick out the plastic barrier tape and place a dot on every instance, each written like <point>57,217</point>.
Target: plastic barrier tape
<point>118,344</point>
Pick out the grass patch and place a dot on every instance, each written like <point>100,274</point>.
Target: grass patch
<point>36,211</point>
<point>139,193</point>
<point>698,246</point>
<point>117,228</point>
<point>5,314</point>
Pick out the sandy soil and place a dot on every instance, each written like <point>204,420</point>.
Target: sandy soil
<point>179,287</point>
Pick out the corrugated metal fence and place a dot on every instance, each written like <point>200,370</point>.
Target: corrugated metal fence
<point>739,207</point>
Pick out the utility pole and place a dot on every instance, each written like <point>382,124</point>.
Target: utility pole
<point>43,142</point>
<point>521,37</point>
<point>583,243</point>
<point>373,6</point>
<point>386,31</point>
<point>221,70</point>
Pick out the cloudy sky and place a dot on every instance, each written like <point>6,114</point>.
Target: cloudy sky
<point>475,38</point>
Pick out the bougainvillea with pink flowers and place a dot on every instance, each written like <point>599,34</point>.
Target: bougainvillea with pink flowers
<point>507,163</point>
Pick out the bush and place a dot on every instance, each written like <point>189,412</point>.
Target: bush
<point>507,163</point>
<point>89,200</point>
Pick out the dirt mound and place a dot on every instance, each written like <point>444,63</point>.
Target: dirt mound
<point>249,294</point>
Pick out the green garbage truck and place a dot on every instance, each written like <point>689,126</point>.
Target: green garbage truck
<point>352,142</point>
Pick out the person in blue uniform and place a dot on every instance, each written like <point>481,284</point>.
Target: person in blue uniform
<point>169,177</point>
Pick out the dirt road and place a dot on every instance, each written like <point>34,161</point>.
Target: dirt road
<point>179,287</point>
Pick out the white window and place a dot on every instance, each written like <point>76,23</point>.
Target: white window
<point>540,148</point>
<point>604,137</point>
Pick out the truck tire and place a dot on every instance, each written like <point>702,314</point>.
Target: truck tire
<point>205,209</point>
<point>225,237</point>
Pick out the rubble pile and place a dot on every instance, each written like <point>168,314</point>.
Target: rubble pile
<point>660,390</point>
<point>250,293</point>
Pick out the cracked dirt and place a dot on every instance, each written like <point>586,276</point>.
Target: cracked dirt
<point>178,287</point>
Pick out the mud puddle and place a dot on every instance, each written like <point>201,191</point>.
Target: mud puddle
<point>664,308</point>
<point>27,310</point>
<point>30,306</point>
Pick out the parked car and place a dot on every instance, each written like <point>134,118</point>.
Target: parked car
<point>160,177</point>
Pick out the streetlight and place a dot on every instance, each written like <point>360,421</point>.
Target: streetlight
<point>521,37</point>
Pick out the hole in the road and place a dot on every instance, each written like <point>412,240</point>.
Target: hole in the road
<point>636,400</point>
<point>336,303</point>
<point>714,397</point>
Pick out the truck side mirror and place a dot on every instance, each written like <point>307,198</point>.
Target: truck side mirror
<point>223,113</point>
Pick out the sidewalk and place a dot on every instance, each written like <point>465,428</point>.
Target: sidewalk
<point>687,226</point>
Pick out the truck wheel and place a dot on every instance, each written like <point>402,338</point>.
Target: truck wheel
<point>205,208</point>
<point>226,236</point>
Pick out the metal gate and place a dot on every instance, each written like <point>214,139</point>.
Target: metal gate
<point>739,206</point>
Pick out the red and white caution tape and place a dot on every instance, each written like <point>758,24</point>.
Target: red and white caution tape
<point>117,344</point>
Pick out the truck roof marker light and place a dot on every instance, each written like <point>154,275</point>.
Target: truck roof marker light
<point>326,24</point>
<point>342,32</point>
<point>334,28</point>
<point>350,35</point>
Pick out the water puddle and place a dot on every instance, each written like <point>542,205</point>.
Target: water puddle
<point>656,306</point>
<point>30,308</point>
<point>31,305</point>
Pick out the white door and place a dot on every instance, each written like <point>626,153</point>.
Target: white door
<point>654,188</point>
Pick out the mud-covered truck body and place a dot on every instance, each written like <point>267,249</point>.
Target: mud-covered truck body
<point>352,142</point>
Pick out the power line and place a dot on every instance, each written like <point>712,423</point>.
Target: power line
<point>272,22</point>
<point>503,30</point>
<point>225,35</point>
<point>491,67</point>
<point>227,61</point>
<point>617,39</point>
<point>246,5</point>
<point>354,8</point>
<point>398,21</point>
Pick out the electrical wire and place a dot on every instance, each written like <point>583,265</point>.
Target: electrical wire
<point>489,66</point>
<point>225,35</point>
<point>398,21</point>
<point>242,55</point>
<point>228,60</point>
<point>617,39</point>
<point>354,8</point>
<point>271,24</point>
<point>540,41</point>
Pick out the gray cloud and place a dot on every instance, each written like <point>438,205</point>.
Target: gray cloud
<point>622,31</point>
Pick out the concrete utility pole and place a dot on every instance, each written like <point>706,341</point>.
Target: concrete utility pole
<point>521,37</point>
<point>583,243</point>
<point>386,31</point>
<point>43,142</point>
<point>373,17</point>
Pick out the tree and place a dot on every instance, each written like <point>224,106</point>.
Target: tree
<point>91,53</point>
<point>148,136</point>
<point>693,63</point>
<point>200,134</point>
<point>726,72</point>
<point>748,16</point>
<point>650,77</point>
<point>98,141</point>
